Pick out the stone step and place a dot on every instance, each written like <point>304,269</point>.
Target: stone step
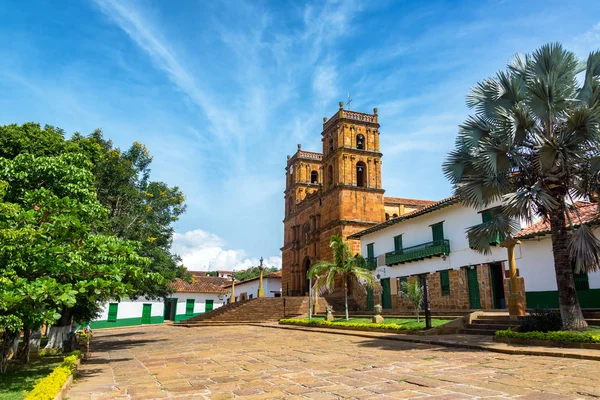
<point>495,322</point>
<point>472,331</point>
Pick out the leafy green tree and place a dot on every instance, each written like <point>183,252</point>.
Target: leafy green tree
<point>55,266</point>
<point>344,266</point>
<point>412,291</point>
<point>253,272</point>
<point>138,208</point>
<point>534,143</point>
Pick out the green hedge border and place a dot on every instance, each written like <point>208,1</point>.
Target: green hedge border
<point>355,325</point>
<point>47,388</point>
<point>558,336</point>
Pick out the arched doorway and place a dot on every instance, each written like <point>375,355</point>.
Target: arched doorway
<point>305,280</point>
<point>361,174</point>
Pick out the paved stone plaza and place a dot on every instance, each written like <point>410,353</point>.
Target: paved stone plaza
<point>159,362</point>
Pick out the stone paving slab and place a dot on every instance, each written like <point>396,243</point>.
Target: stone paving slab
<point>255,362</point>
<point>476,342</point>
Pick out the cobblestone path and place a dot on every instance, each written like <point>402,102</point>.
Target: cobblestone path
<point>160,362</point>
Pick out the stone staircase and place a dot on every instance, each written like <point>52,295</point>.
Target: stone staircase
<point>489,324</point>
<point>592,316</point>
<point>262,309</point>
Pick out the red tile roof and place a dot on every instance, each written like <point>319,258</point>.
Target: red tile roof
<point>588,212</point>
<point>201,284</point>
<point>436,205</point>
<point>410,202</point>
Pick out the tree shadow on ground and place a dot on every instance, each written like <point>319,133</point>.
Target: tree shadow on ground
<point>106,344</point>
<point>389,343</point>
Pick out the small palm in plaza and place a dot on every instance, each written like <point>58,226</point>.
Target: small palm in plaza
<point>345,266</point>
<point>413,292</point>
<point>534,143</point>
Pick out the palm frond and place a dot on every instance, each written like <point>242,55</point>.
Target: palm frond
<point>584,250</point>
<point>592,71</point>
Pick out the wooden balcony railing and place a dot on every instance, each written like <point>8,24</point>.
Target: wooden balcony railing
<point>418,252</point>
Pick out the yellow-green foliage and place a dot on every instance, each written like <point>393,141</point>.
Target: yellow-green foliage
<point>561,336</point>
<point>48,387</point>
<point>391,327</point>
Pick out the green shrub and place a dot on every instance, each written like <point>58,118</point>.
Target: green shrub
<point>541,321</point>
<point>48,387</point>
<point>390,327</point>
<point>561,336</point>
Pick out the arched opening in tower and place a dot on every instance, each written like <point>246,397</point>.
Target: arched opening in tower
<point>314,177</point>
<point>360,142</point>
<point>361,174</point>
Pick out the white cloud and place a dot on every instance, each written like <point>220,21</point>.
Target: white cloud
<point>205,251</point>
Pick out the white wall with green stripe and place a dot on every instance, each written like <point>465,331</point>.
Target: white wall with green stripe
<point>130,312</point>
<point>192,304</point>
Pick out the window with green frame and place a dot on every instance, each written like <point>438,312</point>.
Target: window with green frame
<point>398,243</point>
<point>488,215</point>
<point>189,307</point>
<point>112,312</point>
<point>445,282</point>
<point>582,281</point>
<point>437,231</point>
<point>400,280</point>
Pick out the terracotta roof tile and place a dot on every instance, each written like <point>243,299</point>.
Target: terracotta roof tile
<point>436,205</point>
<point>411,202</point>
<point>201,284</point>
<point>588,212</point>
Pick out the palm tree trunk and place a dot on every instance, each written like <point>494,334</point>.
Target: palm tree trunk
<point>346,296</point>
<point>570,310</point>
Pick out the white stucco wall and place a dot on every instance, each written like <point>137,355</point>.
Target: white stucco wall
<point>537,265</point>
<point>133,309</point>
<point>270,286</point>
<point>199,301</point>
<point>415,231</point>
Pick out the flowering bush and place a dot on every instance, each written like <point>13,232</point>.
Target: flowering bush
<point>48,387</point>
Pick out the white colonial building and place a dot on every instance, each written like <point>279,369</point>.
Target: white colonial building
<point>536,265</point>
<point>431,243</point>
<point>203,294</point>
<point>248,289</point>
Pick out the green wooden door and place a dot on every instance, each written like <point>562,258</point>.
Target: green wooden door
<point>473,284</point>
<point>370,250</point>
<point>146,313</point>
<point>209,305</point>
<point>437,231</point>
<point>386,294</point>
<point>370,299</point>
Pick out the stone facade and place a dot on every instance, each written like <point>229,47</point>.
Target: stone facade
<point>336,192</point>
<point>458,298</point>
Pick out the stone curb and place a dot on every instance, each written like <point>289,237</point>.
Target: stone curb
<point>64,390</point>
<point>445,343</point>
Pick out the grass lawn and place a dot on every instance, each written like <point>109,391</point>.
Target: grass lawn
<point>409,322</point>
<point>22,377</point>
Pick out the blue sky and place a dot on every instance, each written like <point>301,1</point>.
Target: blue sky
<point>221,92</point>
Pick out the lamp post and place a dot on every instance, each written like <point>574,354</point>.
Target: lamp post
<point>232,300</point>
<point>261,291</point>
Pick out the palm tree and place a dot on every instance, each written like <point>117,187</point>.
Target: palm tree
<point>533,143</point>
<point>344,266</point>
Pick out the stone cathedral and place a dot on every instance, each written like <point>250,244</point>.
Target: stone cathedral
<point>336,192</point>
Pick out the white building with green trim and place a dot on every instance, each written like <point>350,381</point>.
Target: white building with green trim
<point>203,294</point>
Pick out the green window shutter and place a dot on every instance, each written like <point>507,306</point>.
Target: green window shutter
<point>445,282</point>
<point>398,243</point>
<point>112,312</point>
<point>437,231</point>
<point>370,250</point>
<point>486,216</point>
<point>582,281</point>
<point>189,307</point>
